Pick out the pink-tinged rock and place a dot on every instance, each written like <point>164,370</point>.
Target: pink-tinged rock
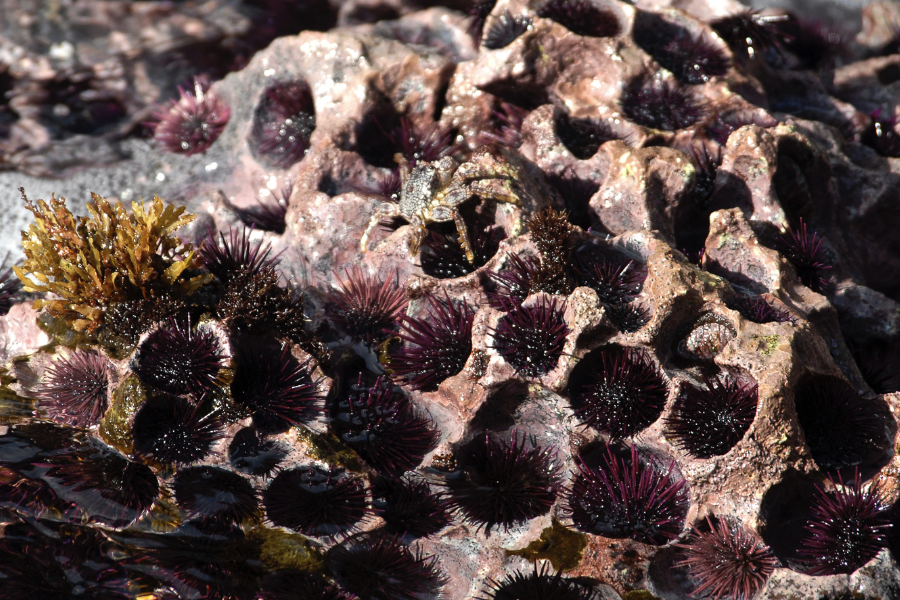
<point>19,332</point>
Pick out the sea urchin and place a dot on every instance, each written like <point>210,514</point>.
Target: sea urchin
<point>531,338</point>
<point>409,507</point>
<point>192,123</point>
<point>74,391</point>
<point>581,17</point>
<point>364,306</point>
<point>283,124</point>
<point>171,429</point>
<point>214,496</point>
<point>538,585</point>
<point>660,105</point>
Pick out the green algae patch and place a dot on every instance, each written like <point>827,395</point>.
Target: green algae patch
<point>561,546</point>
<point>164,516</point>
<point>115,428</point>
<point>328,448</point>
<point>282,550</point>
<point>769,343</point>
<point>60,334</point>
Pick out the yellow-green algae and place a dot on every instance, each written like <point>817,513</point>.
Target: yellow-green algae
<point>115,428</point>
<point>771,342</point>
<point>282,550</point>
<point>561,546</point>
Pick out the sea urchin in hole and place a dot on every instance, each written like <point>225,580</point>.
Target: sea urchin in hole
<point>235,255</point>
<point>615,281</point>
<point>267,215</point>
<point>381,568</point>
<point>179,359</point>
<point>622,395</point>
<point>192,123</point>
<point>882,136</point>
<point>442,256</point>
<point>315,501</point>
<point>422,143</point>
<point>9,287</point>
<point>214,496</point>
<point>750,33</point>
<point>513,284</point>
<point>435,347</point>
<point>171,429</point>
<point>581,17</point>
<point>809,257</point>
<point>660,105</point>
<point>505,30</point>
<point>842,428</point>
<point>759,310</point>
<point>283,124</point>
<point>628,498</point>
<point>582,137</point>
<point>849,526</point>
<point>538,585</point>
<point>504,482</point>
<point>74,390</point>
<point>364,305</point>
<point>531,338</point>
<point>109,487</point>
<point>383,428</point>
<point>727,561</point>
<point>409,507</point>
<point>250,453</point>
<point>478,14</point>
<point>290,584</point>
<point>708,421</point>
<point>692,59</point>
<point>275,388</point>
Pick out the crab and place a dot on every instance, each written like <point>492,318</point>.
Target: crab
<point>431,192</point>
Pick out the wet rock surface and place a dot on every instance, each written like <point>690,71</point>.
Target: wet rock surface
<point>732,221</point>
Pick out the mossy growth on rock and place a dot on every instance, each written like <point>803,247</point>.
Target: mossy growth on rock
<point>558,544</point>
<point>107,257</point>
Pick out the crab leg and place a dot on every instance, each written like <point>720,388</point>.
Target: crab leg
<point>463,236</point>
<point>385,210</point>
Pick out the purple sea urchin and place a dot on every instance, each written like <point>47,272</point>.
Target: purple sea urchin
<point>727,561</point>
<point>708,421</point>
<point>268,215</point>
<point>192,123</point>
<point>274,388</point>
<point>505,30</point>
<point>750,33</point>
<point>250,453</point>
<point>842,428</point>
<point>436,347</point>
<point>582,137</point>
<point>513,284</point>
<point>75,389</point>
<point>581,17</point>
<point>284,121</point>
<point>810,258</point>
<point>531,338</point>
<point>377,568</point>
<point>849,526</point>
<point>628,498</point>
<point>409,507</point>
<point>315,501</point>
<point>10,285</point>
<point>622,394</point>
<point>289,584</point>
<point>615,280</point>
<point>110,488</point>
<point>505,126</point>
<point>422,143</point>
<point>479,10</point>
<point>365,306</point>
<point>173,430</point>
<point>504,482</point>
<point>179,359</point>
<point>538,585</point>
<point>442,256</point>
<point>384,429</point>
<point>693,59</point>
<point>214,496</point>
<point>759,310</point>
<point>235,255</point>
<point>883,137</point>
<point>660,105</point>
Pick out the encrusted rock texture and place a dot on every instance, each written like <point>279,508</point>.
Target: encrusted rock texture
<point>742,168</point>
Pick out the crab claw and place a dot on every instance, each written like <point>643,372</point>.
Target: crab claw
<point>418,236</point>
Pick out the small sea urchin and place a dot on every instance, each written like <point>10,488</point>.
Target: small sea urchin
<point>192,123</point>
<point>365,306</point>
<point>436,347</point>
<point>479,10</point>
<point>171,429</point>
<point>692,59</point>
<point>727,561</point>
<point>236,254</point>
<point>179,359</point>
<point>581,17</point>
<point>708,421</point>
<point>622,393</point>
<point>383,428</point>
<point>628,498</point>
<point>283,124</point>
<point>660,105</point>
<point>582,137</point>
<point>504,482</point>
<point>274,388</point>
<point>505,30</point>
<point>249,452</point>
<point>409,507</point>
<point>842,428</point>
<point>531,338</point>
<point>266,215</point>
<point>759,310</point>
<point>315,501</point>
<point>750,33</point>
<point>422,143</point>
<point>882,136</point>
<point>378,568</point>
<point>538,585</point>
<point>615,280</point>
<point>849,526</point>
<point>513,284</point>
<point>214,496</point>
<point>442,256</point>
<point>810,258</point>
<point>75,389</point>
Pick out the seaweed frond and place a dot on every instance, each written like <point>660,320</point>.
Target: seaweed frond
<point>109,256</point>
